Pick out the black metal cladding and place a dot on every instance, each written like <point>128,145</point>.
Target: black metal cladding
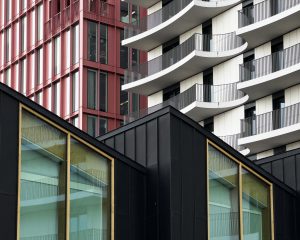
<point>130,178</point>
<point>173,148</point>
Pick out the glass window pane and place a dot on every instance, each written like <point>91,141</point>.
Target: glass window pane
<point>256,208</point>
<point>123,99</point>
<point>123,52</point>
<point>223,196</point>
<point>75,92</point>
<point>39,66</point>
<point>76,44</point>
<point>92,41</point>
<point>91,125</point>
<point>103,44</point>
<point>135,14</point>
<point>91,94</point>
<point>135,102</point>
<point>103,91</point>
<point>103,126</point>
<point>23,32</point>
<point>90,194</point>
<point>57,55</point>
<point>43,180</point>
<point>40,21</point>
<point>124,12</point>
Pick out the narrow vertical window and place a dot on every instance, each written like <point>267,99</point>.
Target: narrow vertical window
<point>92,41</point>
<point>124,104</point>
<point>135,58</point>
<point>32,71</point>
<point>67,96</point>
<point>135,14</point>
<point>103,126</point>
<point>33,28</point>
<point>56,98</point>
<point>67,50</point>
<point>23,32</point>
<point>57,59</point>
<point>75,92</point>
<point>8,44</point>
<point>124,12</point>
<point>39,98</point>
<point>23,77</point>
<point>40,22</point>
<point>8,10</point>
<point>103,44</point>
<point>123,52</point>
<point>24,4</point>
<point>103,91</point>
<point>49,61</point>
<point>135,102</point>
<point>39,67</point>
<point>8,77</point>
<point>91,88</point>
<point>91,125</point>
<point>75,53</point>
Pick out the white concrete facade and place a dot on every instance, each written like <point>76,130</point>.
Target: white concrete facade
<point>258,91</point>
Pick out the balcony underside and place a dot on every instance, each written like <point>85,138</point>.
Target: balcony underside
<point>194,63</point>
<point>265,141</point>
<point>143,3</point>
<point>199,111</point>
<point>191,16</point>
<point>271,83</point>
<point>263,31</point>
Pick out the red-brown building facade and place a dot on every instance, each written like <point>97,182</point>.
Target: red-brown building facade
<point>67,56</point>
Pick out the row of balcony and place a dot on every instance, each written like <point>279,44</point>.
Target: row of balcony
<point>267,19</point>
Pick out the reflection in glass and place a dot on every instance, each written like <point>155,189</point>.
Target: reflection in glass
<point>90,194</point>
<point>256,208</point>
<point>223,196</point>
<point>43,180</point>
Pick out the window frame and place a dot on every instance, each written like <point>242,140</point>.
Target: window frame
<point>70,136</point>
<point>241,167</point>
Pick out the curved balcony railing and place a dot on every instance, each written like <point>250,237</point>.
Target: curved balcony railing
<point>270,64</point>
<point>198,42</point>
<point>264,10</point>
<point>270,121</point>
<point>197,93</point>
<point>155,19</point>
<point>232,140</point>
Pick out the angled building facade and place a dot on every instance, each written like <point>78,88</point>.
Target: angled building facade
<point>66,55</point>
<point>231,65</point>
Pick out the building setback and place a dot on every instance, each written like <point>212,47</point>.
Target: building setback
<point>231,65</point>
<point>66,55</point>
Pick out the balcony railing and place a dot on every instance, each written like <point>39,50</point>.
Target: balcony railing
<point>270,121</point>
<point>232,140</point>
<point>270,64</point>
<point>159,17</point>
<point>264,10</point>
<point>197,93</point>
<point>62,20</point>
<point>198,42</point>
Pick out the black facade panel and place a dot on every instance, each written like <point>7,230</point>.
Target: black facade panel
<point>130,203</point>
<point>267,167</point>
<point>297,159</point>
<point>8,220</point>
<point>289,171</point>
<point>9,133</point>
<point>141,145</point>
<point>119,143</point>
<point>110,142</point>
<point>277,169</point>
<point>164,156</point>
<point>130,144</point>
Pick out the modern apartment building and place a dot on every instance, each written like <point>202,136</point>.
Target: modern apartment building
<point>231,65</point>
<point>66,55</point>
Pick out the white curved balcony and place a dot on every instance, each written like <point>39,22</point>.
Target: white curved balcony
<point>264,76</point>
<point>193,56</point>
<point>143,3</point>
<point>172,20</point>
<point>201,101</point>
<point>272,129</point>
<point>267,20</point>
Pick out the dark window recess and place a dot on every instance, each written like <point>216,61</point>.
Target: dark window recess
<point>250,113</point>
<point>123,52</point>
<point>135,57</point>
<point>103,92</point>
<point>209,124</point>
<point>165,2</point>
<point>278,110</point>
<point>103,126</point>
<point>207,82</point>
<point>124,99</point>
<point>253,157</point>
<point>167,46</point>
<point>249,66</point>
<point>248,11</point>
<point>135,102</point>
<point>277,54</point>
<point>207,34</point>
<point>171,91</point>
<point>279,150</point>
<point>92,41</point>
<point>103,44</point>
